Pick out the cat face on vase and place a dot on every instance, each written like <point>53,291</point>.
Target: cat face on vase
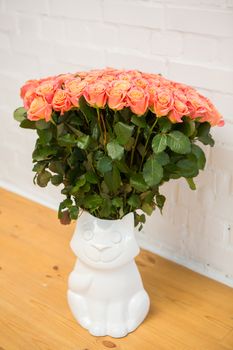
<point>105,243</point>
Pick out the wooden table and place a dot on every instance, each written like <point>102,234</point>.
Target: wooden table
<point>188,311</point>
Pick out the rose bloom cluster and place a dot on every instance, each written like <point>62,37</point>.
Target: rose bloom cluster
<point>117,89</point>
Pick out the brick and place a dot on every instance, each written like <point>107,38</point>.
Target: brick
<point>167,44</point>
<point>222,182</point>
<point>224,103</point>
<point>133,38</point>
<point>88,9</point>
<point>221,158</point>
<point>203,76</point>
<point>4,41</point>
<point>51,29</point>
<point>27,6</point>
<point>199,49</point>
<point>77,30</point>
<point>28,26</point>
<point>225,51</point>
<point>141,14</point>
<point>80,55</point>
<point>19,65</point>
<point>223,207</point>
<point>31,47</point>
<point>224,134</point>
<point>8,22</point>
<point>202,21</point>
<point>135,61</point>
<point>103,35</point>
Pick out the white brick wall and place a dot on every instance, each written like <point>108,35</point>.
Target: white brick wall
<point>190,41</point>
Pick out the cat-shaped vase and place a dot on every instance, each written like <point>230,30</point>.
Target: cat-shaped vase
<point>106,293</point>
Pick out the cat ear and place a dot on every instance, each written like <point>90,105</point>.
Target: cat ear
<point>128,220</point>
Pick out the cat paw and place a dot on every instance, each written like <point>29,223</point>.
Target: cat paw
<point>132,325</point>
<point>84,322</point>
<point>97,330</point>
<point>117,331</point>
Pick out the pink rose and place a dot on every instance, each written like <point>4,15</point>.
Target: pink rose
<point>117,93</point>
<point>29,85</point>
<point>28,98</point>
<point>61,101</point>
<point>95,94</point>
<point>137,100</point>
<point>212,116</point>
<point>196,105</point>
<point>47,90</point>
<point>39,109</point>
<point>163,101</point>
<point>75,88</point>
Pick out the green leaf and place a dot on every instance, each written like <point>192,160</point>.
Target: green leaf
<point>113,179</point>
<point>122,166</point>
<point>92,201</point>
<point>88,112</point>
<point>115,151</point>
<point>164,124</point>
<point>117,202</point>
<point>123,132</point>
<point>139,121</point>
<point>45,136</point>
<point>152,172</point>
<point>159,143</point>
<point>104,164</point>
<point>42,153</point>
<point>43,178</point>
<point>106,208</point>
<point>42,124</point>
<point>160,200</point>
<point>162,158</point>
<point>137,181</point>
<point>200,155</point>
<point>83,141</point>
<point>134,201</point>
<point>74,212</point>
<point>187,167</point>
<point>191,183</point>
<point>147,208</point>
<point>178,142</point>
<point>20,114</point>
<point>203,134</point>
<point>67,140</point>
<point>79,183</point>
<point>187,127</point>
<point>91,177</point>
<point>56,179</point>
<point>27,124</point>
<point>57,167</point>
<point>39,166</point>
<point>203,129</point>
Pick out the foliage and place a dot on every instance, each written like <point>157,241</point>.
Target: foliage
<point>115,164</point>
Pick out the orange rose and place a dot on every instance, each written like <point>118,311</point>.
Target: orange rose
<point>29,85</point>
<point>163,101</point>
<point>117,93</point>
<point>61,101</point>
<point>39,109</point>
<point>47,89</point>
<point>95,94</point>
<point>137,100</point>
<point>75,88</point>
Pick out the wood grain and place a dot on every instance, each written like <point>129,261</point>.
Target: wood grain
<point>188,311</point>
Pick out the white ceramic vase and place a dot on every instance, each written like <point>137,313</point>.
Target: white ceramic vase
<point>105,290</point>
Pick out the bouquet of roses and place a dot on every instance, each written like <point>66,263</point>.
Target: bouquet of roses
<point>113,137</point>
